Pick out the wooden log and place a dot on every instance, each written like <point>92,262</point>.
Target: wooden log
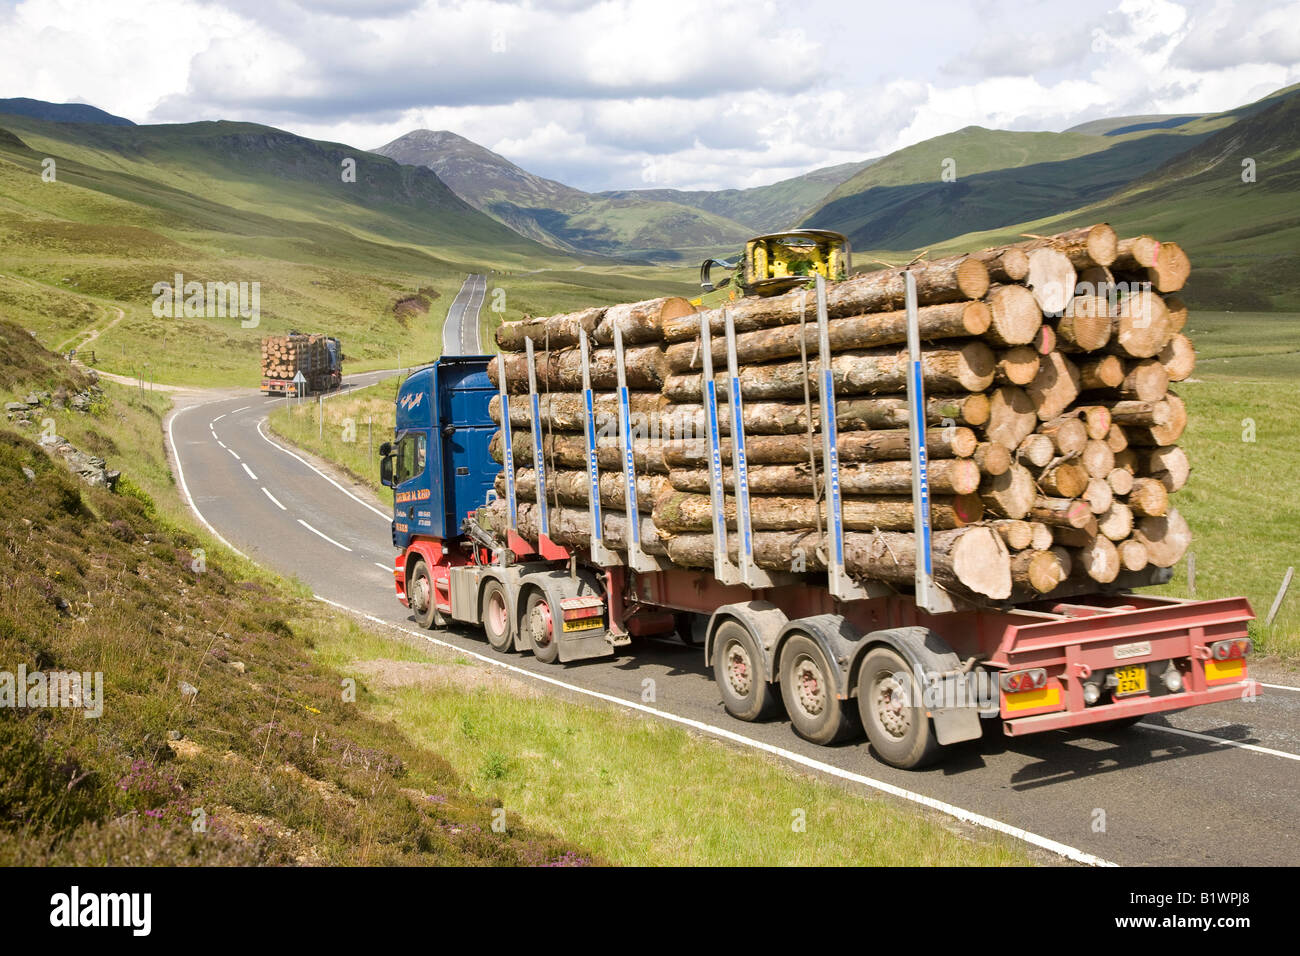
<point>1066,558</point>
<point>1167,464</point>
<point>560,331</point>
<point>1163,264</point>
<point>1044,342</point>
<point>1042,537</point>
<point>1097,459</point>
<point>644,365</point>
<point>1145,380</point>
<point>1054,387</point>
<point>571,527</point>
<point>1177,309</point>
<point>1066,480</point>
<point>969,561</point>
<point>1017,366</point>
<point>992,458</point>
<point>1012,416</point>
<point>1131,413</point>
<point>1096,420</point>
<point>1178,358</point>
<point>969,367</point>
<point>1120,481</point>
<point>570,487</point>
<point>1099,495</point>
<point>1040,571</point>
<point>1067,512</point>
<point>1005,264</point>
<point>1163,434</point>
<point>563,411</point>
<point>641,322</point>
<point>570,451</point>
<point>1148,498</point>
<point>681,511</point>
<point>1051,278</point>
<point>944,321</point>
<point>893,412</point>
<point>1015,316</point>
<point>953,279</point>
<point>1036,450</point>
<point>1086,324</point>
<point>1115,438</point>
<point>1166,538</point>
<point>1010,494</point>
<point>1127,460</point>
<point>1067,433</point>
<point>1132,554</point>
<point>1017,535</point>
<point>1141,326</point>
<point>892,444</point>
<point>1099,560</point>
<point>1085,247</point>
<point>947,476</point>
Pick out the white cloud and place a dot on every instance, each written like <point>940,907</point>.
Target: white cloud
<point>611,93</point>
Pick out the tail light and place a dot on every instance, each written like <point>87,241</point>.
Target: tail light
<point>1015,682</point>
<point>1232,650</point>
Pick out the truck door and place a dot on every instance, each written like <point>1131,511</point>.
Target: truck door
<point>468,469</point>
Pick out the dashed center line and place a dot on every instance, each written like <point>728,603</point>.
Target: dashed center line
<point>382,567</point>
<point>244,409</point>
<point>250,472</point>
<point>218,418</point>
<point>272,497</point>
<point>323,535</point>
<point>232,451</point>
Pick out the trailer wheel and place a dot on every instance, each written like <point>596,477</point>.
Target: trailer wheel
<point>494,612</point>
<point>808,689</point>
<point>540,627</point>
<point>419,594</point>
<point>738,669</point>
<point>899,731</point>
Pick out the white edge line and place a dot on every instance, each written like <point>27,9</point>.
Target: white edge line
<point>1279,686</point>
<point>383,567</point>
<point>965,816</point>
<point>273,498</point>
<point>323,535</point>
<point>249,470</point>
<point>1221,740</point>
<point>387,518</point>
<point>185,489</point>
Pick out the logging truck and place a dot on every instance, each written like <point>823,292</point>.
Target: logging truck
<point>298,364</point>
<point>904,653</point>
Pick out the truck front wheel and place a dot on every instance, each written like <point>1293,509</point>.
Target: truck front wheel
<point>419,595</point>
<point>898,728</point>
<point>738,669</point>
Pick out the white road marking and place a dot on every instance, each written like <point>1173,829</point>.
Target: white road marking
<point>1262,684</point>
<point>222,444</point>
<point>185,489</point>
<point>249,470</point>
<point>238,410</point>
<point>232,451</point>
<point>272,497</point>
<point>387,517</point>
<point>967,816</point>
<point>223,415</point>
<point>323,535</point>
<point>1220,740</point>
<point>383,567</point>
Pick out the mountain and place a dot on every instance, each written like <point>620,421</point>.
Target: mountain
<point>1119,125</point>
<point>60,112</point>
<point>761,209</point>
<point>559,215</point>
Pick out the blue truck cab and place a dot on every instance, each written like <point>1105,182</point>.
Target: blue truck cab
<point>438,464</point>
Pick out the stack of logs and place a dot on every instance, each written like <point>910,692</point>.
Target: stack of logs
<point>284,355</point>
<point>1052,438</point>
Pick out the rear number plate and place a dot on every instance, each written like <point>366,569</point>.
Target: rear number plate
<point>584,624</point>
<point>1132,680</point>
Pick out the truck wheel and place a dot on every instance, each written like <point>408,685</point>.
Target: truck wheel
<point>808,689</point>
<point>494,612</point>
<point>899,731</point>
<point>419,594</point>
<point>540,627</point>
<point>738,669</point>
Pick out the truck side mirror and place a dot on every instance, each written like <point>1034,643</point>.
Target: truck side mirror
<point>386,471</point>
<point>385,449</point>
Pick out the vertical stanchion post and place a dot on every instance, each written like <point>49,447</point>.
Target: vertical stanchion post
<point>636,558</point>
<point>539,460</point>
<point>750,574</point>
<point>723,569</point>
<point>599,553</point>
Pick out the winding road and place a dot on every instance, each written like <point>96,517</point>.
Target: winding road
<point>1215,785</point>
<point>460,331</point>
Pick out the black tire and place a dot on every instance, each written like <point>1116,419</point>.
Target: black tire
<point>808,690</point>
<point>900,732</point>
<point>740,674</point>
<point>494,613</point>
<point>539,627</point>
<point>419,595</point>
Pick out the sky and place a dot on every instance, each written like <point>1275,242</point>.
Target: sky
<point>634,94</point>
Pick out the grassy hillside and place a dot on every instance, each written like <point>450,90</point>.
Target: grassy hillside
<point>376,262</point>
<point>624,225</point>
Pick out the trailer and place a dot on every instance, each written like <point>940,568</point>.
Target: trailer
<point>915,670</point>
<point>298,364</point>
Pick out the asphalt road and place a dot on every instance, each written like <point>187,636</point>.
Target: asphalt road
<point>460,330</point>
<point>1214,785</point>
